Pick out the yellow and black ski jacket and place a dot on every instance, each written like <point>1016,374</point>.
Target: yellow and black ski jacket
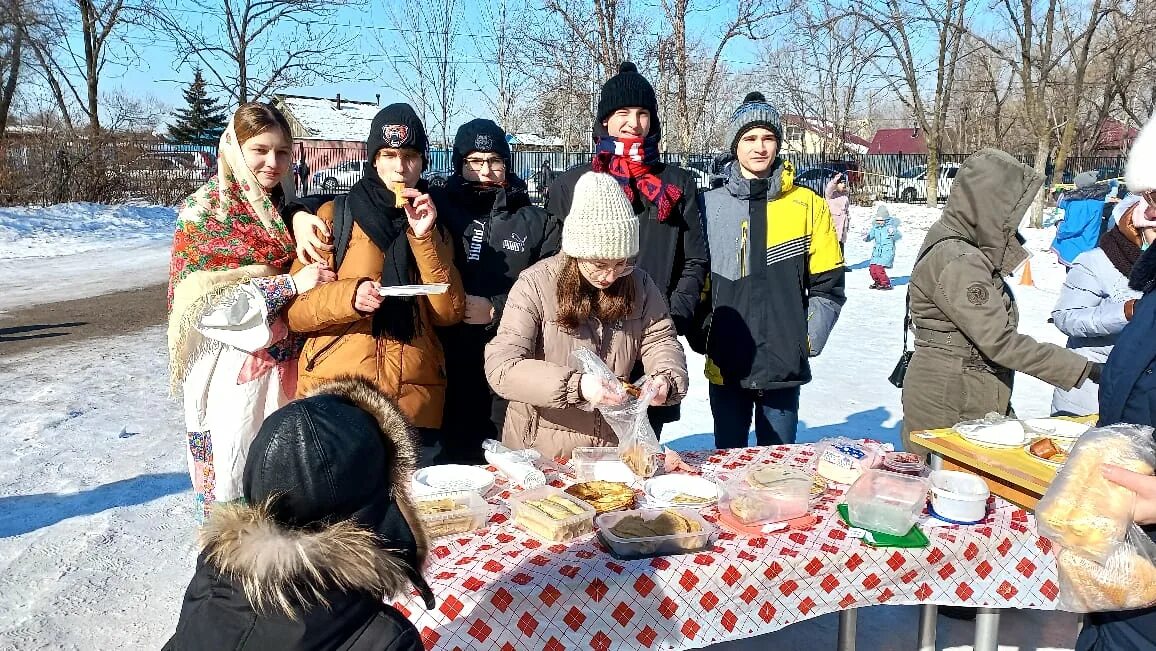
<point>776,283</point>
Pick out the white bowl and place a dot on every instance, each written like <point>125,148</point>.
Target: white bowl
<point>959,496</point>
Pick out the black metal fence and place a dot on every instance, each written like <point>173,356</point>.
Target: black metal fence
<point>47,170</point>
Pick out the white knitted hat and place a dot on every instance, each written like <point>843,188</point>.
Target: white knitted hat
<point>1140,173</point>
<point>601,224</point>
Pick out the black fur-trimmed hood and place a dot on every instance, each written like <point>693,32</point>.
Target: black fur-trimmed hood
<point>327,486</point>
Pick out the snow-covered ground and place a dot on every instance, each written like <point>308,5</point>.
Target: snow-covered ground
<point>75,250</point>
<point>96,525</point>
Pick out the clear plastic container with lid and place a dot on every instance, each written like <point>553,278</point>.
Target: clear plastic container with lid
<point>600,463</point>
<point>905,463</point>
<point>551,514</point>
<point>444,514</point>
<point>886,502</point>
<point>769,494</point>
<point>628,547</point>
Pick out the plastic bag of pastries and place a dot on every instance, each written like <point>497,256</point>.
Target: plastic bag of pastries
<point>1125,579</point>
<point>638,446</point>
<point>1081,510</point>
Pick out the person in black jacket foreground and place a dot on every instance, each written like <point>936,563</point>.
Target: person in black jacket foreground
<point>328,531</point>
<point>1128,395</point>
<point>497,234</point>
<point>672,247</point>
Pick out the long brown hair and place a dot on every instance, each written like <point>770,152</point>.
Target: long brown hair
<point>254,118</point>
<point>579,301</point>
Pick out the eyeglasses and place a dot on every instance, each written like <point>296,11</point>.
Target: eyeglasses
<point>619,268</point>
<point>477,164</point>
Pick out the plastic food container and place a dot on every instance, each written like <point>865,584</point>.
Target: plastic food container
<point>681,543</point>
<point>470,512</point>
<point>785,495</point>
<point>905,463</point>
<point>600,464</point>
<point>886,502</point>
<point>556,529</point>
<point>843,460</point>
<point>958,496</point>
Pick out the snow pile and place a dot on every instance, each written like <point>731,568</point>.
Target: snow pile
<point>68,228</point>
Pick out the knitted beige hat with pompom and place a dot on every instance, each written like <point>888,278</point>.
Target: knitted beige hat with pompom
<point>601,224</point>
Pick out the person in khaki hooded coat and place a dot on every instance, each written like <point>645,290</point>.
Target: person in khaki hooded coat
<point>967,349</point>
<point>589,296</point>
<point>352,330</point>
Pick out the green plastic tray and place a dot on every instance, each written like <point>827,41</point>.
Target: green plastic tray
<point>913,539</point>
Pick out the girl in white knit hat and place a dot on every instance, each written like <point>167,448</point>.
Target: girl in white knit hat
<point>589,296</point>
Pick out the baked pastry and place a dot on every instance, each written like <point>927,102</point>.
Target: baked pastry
<point>690,500</point>
<point>1126,580</point>
<point>667,523</point>
<point>639,459</point>
<point>603,495</point>
<point>398,200</point>
<point>547,517</point>
<point>1085,511</point>
<point>1045,449</point>
<point>631,390</point>
<point>438,519</point>
<point>444,505</point>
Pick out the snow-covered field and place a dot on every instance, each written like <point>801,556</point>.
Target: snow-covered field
<point>75,250</point>
<point>96,525</point>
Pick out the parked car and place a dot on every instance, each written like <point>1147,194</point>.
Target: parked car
<point>338,178</point>
<point>911,185</point>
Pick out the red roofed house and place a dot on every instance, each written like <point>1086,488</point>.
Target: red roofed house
<point>1116,138</point>
<point>898,141</point>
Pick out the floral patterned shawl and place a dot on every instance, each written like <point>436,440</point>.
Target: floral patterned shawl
<point>227,232</point>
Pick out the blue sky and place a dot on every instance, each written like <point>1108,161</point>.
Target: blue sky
<point>154,74</point>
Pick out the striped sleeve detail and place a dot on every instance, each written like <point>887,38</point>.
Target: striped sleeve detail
<point>787,250</point>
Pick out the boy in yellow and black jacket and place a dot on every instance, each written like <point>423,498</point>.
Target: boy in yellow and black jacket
<point>776,284</point>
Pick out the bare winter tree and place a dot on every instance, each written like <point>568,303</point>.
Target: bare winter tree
<point>825,78</point>
<point>922,46</point>
<point>1041,54</point>
<point>251,47</point>
<point>1132,68</point>
<point>502,46</point>
<point>14,17</point>
<point>423,58</point>
<point>608,30</point>
<point>76,75</point>
<point>693,61</point>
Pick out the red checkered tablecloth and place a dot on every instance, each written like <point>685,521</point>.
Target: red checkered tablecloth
<point>501,588</point>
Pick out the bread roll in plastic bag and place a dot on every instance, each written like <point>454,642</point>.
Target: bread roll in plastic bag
<point>1125,579</point>
<point>1084,512</point>
<point>637,444</point>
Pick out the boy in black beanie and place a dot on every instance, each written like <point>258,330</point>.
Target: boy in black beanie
<point>497,233</point>
<point>672,248</point>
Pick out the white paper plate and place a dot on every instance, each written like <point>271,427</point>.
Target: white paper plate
<point>452,477</point>
<point>1057,428</point>
<point>1009,434</point>
<point>414,290</point>
<point>1065,445</point>
<point>662,490</point>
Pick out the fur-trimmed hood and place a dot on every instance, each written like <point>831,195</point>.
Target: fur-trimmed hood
<point>329,510</point>
<point>282,569</point>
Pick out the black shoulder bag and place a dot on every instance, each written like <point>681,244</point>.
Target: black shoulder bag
<point>900,371</point>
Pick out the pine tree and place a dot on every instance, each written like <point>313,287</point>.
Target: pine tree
<point>202,122</point>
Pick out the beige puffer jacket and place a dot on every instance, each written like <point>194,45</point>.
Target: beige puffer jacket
<point>529,362</point>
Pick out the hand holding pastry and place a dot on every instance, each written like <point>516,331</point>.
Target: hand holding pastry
<point>1143,485</point>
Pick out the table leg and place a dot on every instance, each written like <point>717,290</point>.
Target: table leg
<point>847,622</point>
<point>927,613</point>
<point>986,629</point>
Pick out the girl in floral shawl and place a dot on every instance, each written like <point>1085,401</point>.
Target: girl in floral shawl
<point>231,356</point>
